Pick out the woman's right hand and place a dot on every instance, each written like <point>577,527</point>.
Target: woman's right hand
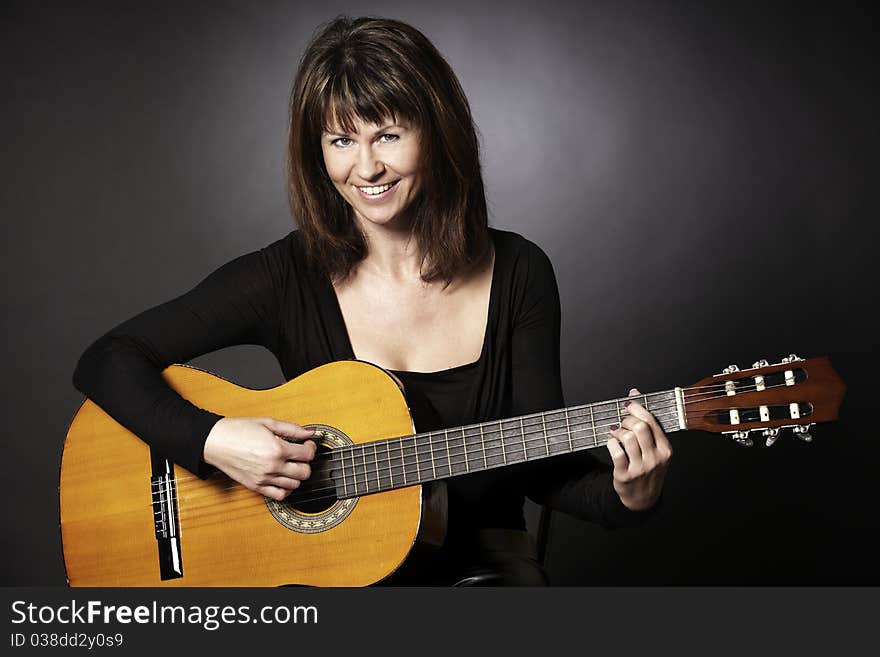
<point>254,452</point>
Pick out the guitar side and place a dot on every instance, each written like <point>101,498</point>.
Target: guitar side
<point>228,536</point>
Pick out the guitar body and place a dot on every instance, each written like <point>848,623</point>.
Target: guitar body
<point>227,535</point>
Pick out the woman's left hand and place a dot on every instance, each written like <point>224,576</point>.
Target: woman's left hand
<point>640,452</point>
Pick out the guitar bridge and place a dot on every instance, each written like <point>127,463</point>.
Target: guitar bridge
<point>163,488</point>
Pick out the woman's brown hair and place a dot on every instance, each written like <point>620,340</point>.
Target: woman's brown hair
<point>373,69</point>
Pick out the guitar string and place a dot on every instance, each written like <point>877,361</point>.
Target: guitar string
<point>689,398</point>
<point>358,467</point>
<point>583,426</point>
<point>198,510</point>
<point>423,444</point>
<point>436,438</point>
<point>366,469</point>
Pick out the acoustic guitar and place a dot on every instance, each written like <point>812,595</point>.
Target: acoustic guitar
<point>130,517</point>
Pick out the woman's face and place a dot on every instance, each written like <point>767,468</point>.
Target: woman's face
<point>375,168</point>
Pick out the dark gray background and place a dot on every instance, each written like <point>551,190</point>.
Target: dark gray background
<point>701,176</point>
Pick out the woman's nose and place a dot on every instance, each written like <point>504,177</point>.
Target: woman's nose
<point>369,166</point>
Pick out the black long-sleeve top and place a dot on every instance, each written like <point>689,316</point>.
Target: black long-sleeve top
<point>274,298</point>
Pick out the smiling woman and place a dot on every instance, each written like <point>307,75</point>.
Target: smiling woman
<point>376,170</point>
<point>356,78</point>
<point>393,263</point>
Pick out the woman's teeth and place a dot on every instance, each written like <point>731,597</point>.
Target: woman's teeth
<point>374,191</point>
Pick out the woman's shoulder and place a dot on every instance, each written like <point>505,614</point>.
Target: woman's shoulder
<point>288,252</point>
<point>517,253</point>
<point>279,262</point>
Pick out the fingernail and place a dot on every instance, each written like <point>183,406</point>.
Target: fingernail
<point>615,427</point>
<point>627,403</point>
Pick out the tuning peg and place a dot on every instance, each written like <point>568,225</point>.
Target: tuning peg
<point>771,435</point>
<point>730,369</point>
<point>791,358</point>
<point>760,363</point>
<point>742,438</point>
<point>803,432</point>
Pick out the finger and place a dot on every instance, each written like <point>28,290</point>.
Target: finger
<point>280,481</point>
<point>303,452</point>
<point>274,492</point>
<point>286,429</point>
<point>637,410</point>
<point>643,433</point>
<point>627,439</point>
<point>288,451</point>
<point>659,436</point>
<point>618,456</point>
<point>294,470</point>
<point>633,392</point>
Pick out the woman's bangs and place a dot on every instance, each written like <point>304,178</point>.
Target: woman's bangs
<point>350,99</point>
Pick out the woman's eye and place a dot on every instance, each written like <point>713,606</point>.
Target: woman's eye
<point>342,142</point>
<point>387,138</point>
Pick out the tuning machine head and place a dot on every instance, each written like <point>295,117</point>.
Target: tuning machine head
<point>742,438</point>
<point>802,431</point>
<point>771,435</point>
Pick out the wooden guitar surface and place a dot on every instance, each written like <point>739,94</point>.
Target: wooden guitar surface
<point>227,534</point>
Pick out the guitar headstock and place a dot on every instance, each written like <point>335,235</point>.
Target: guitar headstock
<point>795,393</point>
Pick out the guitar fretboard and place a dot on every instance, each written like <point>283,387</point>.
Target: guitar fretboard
<point>383,465</point>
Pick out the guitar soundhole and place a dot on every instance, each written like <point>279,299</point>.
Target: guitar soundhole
<point>314,506</point>
<point>318,492</point>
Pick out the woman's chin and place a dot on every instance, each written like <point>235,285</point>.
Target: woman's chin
<point>387,220</point>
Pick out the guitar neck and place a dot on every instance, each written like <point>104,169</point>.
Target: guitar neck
<point>382,465</point>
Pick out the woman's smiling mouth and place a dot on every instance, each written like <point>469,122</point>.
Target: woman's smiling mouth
<point>377,192</point>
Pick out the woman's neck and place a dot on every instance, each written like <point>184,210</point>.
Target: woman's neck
<point>392,251</point>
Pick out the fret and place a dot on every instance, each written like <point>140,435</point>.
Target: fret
<point>494,445</point>
<point>483,445</point>
<point>606,412</point>
<point>416,452</point>
<point>556,437</point>
<point>431,447</point>
<point>395,461</point>
<point>593,422</point>
<point>402,460</point>
<point>579,432</point>
<point>410,460</point>
<point>535,447</point>
<point>666,410</point>
<point>471,452</point>
<point>379,484</point>
<point>544,431</point>
<point>467,467</point>
<point>344,482</point>
<point>421,464</point>
<point>568,431</point>
<point>457,448</point>
<point>448,459</point>
<point>513,447</point>
<point>503,451</point>
<point>390,469</point>
<point>523,435</point>
<point>354,471</point>
<point>366,470</point>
